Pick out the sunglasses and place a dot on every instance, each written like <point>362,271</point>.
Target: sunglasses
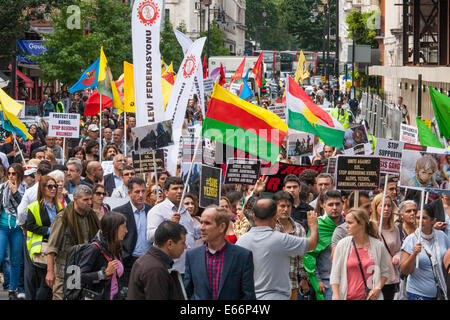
<point>100,194</point>
<point>12,173</point>
<point>157,190</point>
<point>52,186</point>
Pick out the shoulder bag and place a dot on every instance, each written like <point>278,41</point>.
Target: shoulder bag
<point>366,293</point>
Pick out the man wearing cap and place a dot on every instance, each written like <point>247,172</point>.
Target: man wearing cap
<point>28,176</point>
<point>93,134</point>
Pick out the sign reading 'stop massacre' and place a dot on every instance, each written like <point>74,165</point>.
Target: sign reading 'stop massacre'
<point>357,173</point>
<point>209,186</point>
<point>242,171</point>
<point>64,125</point>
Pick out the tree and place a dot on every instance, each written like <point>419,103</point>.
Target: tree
<point>104,23</point>
<point>265,23</point>
<point>169,47</point>
<point>216,41</point>
<point>358,27</point>
<point>308,34</point>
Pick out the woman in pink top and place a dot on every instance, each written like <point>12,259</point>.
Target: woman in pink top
<point>390,236</point>
<point>360,265</point>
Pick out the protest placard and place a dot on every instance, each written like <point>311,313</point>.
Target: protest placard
<point>210,184</point>
<point>279,110</point>
<point>143,162</point>
<point>356,141</point>
<point>390,153</point>
<point>208,85</point>
<point>300,144</point>
<point>409,134</point>
<point>420,170</point>
<point>275,182</point>
<point>153,136</point>
<point>242,171</point>
<point>64,125</point>
<point>357,173</point>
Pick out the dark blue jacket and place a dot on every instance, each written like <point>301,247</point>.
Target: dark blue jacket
<point>236,281</point>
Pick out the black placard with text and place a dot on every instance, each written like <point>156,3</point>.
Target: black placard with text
<point>357,173</point>
<point>242,171</point>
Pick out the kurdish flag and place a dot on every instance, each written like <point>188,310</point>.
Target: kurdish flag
<point>304,115</point>
<point>243,125</point>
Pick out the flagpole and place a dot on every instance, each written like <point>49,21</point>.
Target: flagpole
<point>420,224</point>
<point>382,203</point>
<point>125,133</point>
<point>100,130</point>
<point>156,175</point>
<point>189,173</point>
<point>18,147</point>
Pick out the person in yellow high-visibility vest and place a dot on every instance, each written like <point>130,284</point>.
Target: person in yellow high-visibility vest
<point>40,215</point>
<point>372,138</point>
<point>340,114</point>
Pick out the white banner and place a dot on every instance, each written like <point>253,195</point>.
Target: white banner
<point>145,27</point>
<point>176,107</point>
<point>64,125</point>
<point>185,43</point>
<point>208,85</point>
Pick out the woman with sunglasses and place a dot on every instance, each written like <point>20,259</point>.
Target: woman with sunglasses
<point>154,194</point>
<point>40,215</point>
<point>98,195</point>
<point>11,193</point>
<point>62,195</point>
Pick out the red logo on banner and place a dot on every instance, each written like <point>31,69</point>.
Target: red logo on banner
<point>189,66</point>
<point>148,12</point>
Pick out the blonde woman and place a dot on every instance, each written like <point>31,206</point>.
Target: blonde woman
<point>390,236</point>
<point>360,266</point>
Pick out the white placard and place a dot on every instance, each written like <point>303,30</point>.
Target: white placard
<point>390,153</point>
<point>409,134</point>
<point>64,125</point>
<point>208,85</point>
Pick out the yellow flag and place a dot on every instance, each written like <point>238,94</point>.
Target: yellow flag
<point>128,93</point>
<point>9,110</point>
<point>302,69</point>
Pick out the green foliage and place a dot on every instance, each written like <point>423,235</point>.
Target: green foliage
<point>70,52</point>
<point>15,18</point>
<point>216,41</point>
<point>169,47</point>
<point>309,35</point>
<point>357,26</point>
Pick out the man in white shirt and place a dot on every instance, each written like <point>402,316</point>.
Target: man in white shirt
<point>128,172</point>
<point>272,251</point>
<point>168,210</point>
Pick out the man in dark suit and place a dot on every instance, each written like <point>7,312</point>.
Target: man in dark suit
<point>218,270</point>
<point>153,276</point>
<point>135,243</point>
<point>114,179</point>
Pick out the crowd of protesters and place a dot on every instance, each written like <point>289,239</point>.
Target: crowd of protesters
<point>308,241</point>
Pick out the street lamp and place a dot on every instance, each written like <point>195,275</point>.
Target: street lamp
<point>207,3</point>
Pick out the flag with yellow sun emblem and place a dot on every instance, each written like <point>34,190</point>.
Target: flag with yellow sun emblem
<point>304,115</point>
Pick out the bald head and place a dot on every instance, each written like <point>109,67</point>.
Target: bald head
<point>265,209</point>
<point>94,170</point>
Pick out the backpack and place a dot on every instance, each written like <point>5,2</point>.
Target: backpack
<point>72,287</point>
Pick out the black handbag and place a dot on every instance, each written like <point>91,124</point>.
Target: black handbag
<point>367,290</point>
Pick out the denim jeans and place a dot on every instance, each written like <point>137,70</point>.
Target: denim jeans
<point>5,267</point>
<point>412,296</point>
<point>329,292</point>
<point>12,238</point>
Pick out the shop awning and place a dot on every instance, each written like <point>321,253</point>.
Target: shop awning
<point>28,82</point>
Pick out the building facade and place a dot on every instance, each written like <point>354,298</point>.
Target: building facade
<point>229,14</point>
